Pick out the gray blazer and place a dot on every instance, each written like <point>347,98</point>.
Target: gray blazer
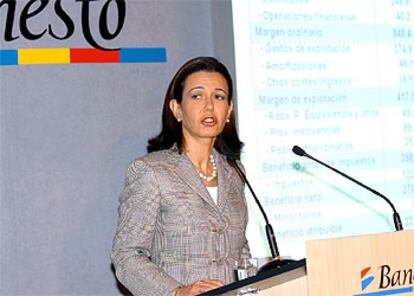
<point>170,231</point>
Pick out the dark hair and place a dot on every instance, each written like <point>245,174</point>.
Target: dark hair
<point>227,143</point>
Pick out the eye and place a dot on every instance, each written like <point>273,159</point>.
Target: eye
<point>195,96</point>
<point>221,97</point>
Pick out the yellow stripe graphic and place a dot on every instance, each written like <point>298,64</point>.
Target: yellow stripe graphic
<point>43,56</point>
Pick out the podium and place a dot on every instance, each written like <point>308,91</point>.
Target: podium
<point>368,265</point>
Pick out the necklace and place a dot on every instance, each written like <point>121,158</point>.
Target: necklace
<point>213,174</point>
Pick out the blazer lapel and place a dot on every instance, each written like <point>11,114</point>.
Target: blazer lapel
<point>186,171</point>
<point>224,180</point>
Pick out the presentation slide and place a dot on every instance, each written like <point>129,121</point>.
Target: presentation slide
<point>337,79</point>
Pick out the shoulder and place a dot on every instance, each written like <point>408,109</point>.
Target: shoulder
<point>156,157</point>
<point>151,163</point>
<point>229,173</point>
<point>225,163</point>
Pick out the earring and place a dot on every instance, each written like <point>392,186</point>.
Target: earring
<point>228,120</point>
<point>179,119</point>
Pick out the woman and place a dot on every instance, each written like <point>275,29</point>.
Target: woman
<point>182,214</point>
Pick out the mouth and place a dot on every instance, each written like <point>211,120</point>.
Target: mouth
<point>209,121</point>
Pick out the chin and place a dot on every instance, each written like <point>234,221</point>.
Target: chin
<point>210,134</point>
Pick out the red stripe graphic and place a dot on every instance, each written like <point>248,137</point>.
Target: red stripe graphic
<point>364,271</point>
<point>93,55</point>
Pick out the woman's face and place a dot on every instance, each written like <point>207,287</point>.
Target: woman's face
<point>204,107</point>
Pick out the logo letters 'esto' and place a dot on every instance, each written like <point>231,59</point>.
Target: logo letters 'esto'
<point>34,8</point>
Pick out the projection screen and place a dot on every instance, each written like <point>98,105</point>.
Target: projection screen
<point>337,79</point>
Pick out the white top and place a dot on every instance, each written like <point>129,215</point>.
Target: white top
<point>213,193</point>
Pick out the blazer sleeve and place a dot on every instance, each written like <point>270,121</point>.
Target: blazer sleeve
<point>138,210</point>
<point>245,252</point>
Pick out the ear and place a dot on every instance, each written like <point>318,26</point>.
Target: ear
<point>230,109</point>
<point>175,109</point>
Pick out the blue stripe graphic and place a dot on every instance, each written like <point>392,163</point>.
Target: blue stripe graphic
<point>142,55</point>
<point>388,292</point>
<point>8,57</point>
<point>366,282</point>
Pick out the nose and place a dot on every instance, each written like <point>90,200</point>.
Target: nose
<point>209,103</point>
